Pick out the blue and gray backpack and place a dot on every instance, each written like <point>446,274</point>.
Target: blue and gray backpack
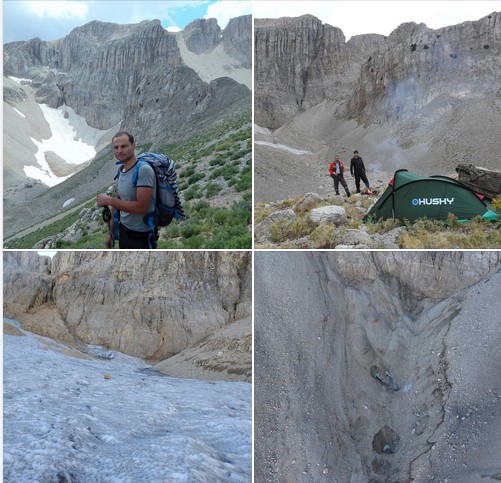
<point>167,203</point>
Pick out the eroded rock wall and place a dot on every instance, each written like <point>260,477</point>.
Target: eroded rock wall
<point>353,360</point>
<point>424,85</point>
<point>298,63</point>
<point>150,305</point>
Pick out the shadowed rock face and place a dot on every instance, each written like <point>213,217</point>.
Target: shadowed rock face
<point>362,365</point>
<point>149,305</point>
<point>298,62</point>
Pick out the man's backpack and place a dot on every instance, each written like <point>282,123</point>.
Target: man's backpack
<point>167,203</point>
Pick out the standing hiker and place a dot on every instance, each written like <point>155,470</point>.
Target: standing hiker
<point>357,169</point>
<point>134,201</point>
<point>336,170</point>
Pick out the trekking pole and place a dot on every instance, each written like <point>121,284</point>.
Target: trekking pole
<point>107,219</point>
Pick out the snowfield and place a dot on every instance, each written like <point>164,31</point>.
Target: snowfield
<point>283,147</point>
<point>73,417</point>
<point>73,140</point>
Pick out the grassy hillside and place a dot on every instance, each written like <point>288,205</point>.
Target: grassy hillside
<point>215,179</point>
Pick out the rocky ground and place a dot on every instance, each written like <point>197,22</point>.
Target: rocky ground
<point>317,136</point>
<point>227,353</point>
<point>377,367</point>
<point>316,221</point>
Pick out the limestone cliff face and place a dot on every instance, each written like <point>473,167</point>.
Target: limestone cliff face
<point>129,74</point>
<point>202,35</point>
<point>298,62</point>
<point>150,305</point>
<point>419,66</point>
<point>30,283</point>
<point>417,277</point>
<point>374,79</point>
<point>237,39</point>
<point>363,362</point>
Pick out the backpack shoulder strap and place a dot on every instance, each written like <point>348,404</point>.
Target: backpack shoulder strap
<point>118,171</point>
<point>135,174</point>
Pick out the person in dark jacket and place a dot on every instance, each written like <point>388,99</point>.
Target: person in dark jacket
<point>336,170</point>
<point>357,169</point>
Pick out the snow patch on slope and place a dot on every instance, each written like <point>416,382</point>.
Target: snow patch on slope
<point>73,140</point>
<point>283,147</point>
<point>265,133</point>
<point>214,64</point>
<point>20,80</point>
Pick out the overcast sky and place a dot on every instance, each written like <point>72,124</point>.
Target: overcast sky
<point>379,17</point>
<point>50,20</point>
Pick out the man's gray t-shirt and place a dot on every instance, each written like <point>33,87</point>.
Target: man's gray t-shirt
<point>127,192</point>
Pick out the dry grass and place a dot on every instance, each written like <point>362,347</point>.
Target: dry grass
<point>261,212</point>
<point>434,235</point>
<point>326,236</point>
<point>423,234</point>
<point>281,231</point>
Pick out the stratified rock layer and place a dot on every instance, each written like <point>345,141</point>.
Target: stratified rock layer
<point>149,305</point>
<point>301,62</point>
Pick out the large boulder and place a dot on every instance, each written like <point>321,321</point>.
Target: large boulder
<point>328,214</point>
<point>262,230</point>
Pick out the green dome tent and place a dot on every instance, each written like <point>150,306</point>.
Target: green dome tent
<point>410,196</point>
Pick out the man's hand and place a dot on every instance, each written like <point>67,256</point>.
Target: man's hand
<point>139,206</point>
<point>103,200</point>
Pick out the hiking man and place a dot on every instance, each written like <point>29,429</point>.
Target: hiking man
<point>357,169</point>
<point>336,170</point>
<point>133,202</point>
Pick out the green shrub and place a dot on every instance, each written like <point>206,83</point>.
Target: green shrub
<point>217,161</point>
<point>190,229</point>
<point>194,242</point>
<point>187,172</point>
<point>191,193</point>
<point>212,189</point>
<point>195,177</point>
<point>227,172</point>
<point>223,146</point>
<point>245,181</point>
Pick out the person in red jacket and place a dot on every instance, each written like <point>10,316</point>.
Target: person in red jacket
<point>336,170</point>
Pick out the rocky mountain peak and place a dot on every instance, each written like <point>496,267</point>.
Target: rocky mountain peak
<point>237,41</point>
<point>432,91</point>
<point>202,35</point>
<point>98,70</point>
